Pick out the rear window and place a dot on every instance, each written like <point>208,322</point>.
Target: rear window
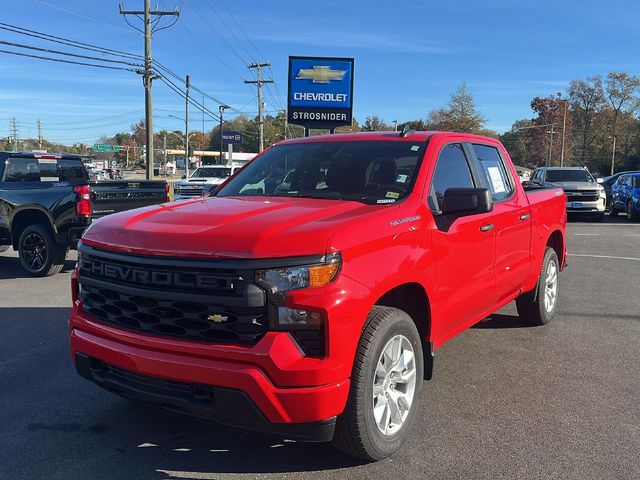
<point>27,169</point>
<point>22,170</point>
<point>70,170</point>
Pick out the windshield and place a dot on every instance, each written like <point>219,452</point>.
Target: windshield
<point>369,172</point>
<point>569,176</point>
<point>212,173</point>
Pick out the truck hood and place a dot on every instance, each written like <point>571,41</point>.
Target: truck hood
<point>229,227</point>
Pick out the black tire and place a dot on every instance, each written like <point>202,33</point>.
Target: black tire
<point>613,211</point>
<point>39,254</point>
<point>357,433</point>
<point>531,306</point>
<point>632,215</point>
<point>4,248</point>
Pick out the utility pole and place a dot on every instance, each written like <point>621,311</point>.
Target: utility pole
<point>564,126</point>
<point>165,148</point>
<point>14,134</point>
<point>613,155</point>
<point>221,109</point>
<point>150,26</point>
<point>186,128</point>
<point>550,144</point>
<point>39,133</point>
<point>259,82</point>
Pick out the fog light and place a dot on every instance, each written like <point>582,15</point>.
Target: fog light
<point>299,318</point>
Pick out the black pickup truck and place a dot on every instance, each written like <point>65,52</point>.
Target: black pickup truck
<point>47,201</point>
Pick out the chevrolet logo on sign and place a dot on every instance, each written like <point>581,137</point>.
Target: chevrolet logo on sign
<point>320,74</point>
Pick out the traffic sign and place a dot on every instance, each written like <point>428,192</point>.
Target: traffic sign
<point>231,136</point>
<point>102,147</point>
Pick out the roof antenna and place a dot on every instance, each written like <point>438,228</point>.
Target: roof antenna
<point>406,131</point>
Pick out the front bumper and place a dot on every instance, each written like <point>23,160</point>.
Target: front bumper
<point>595,207</point>
<point>223,405</point>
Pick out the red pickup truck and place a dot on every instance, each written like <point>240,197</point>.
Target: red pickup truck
<point>306,297</point>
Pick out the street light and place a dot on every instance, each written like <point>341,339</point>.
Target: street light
<point>221,109</point>
<point>395,125</point>
<point>613,153</point>
<point>564,124</point>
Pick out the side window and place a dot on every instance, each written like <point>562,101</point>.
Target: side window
<point>622,179</point>
<point>630,181</point>
<point>498,179</point>
<point>22,170</point>
<point>69,170</point>
<point>452,171</point>
<point>636,182</point>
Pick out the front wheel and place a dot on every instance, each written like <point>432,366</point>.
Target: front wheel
<point>538,307</point>
<point>39,254</point>
<point>385,387</point>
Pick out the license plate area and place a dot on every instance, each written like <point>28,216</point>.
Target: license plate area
<point>576,204</point>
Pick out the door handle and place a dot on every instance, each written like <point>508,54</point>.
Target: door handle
<point>486,228</point>
<point>526,216</point>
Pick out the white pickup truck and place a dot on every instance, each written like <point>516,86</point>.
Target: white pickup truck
<point>203,180</point>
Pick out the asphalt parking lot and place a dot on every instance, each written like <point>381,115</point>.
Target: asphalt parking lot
<point>507,400</point>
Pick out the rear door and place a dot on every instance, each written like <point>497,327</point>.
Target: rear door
<point>464,251</point>
<point>511,219</point>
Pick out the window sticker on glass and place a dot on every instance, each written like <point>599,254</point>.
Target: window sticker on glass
<point>497,184</point>
<point>392,195</point>
<point>402,178</point>
<point>415,148</point>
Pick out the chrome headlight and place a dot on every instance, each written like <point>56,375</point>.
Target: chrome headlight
<point>305,276</point>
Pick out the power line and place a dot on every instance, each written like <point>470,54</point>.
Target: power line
<point>67,41</point>
<point>75,55</point>
<point>71,12</point>
<point>66,61</point>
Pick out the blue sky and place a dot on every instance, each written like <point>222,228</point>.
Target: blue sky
<point>409,56</point>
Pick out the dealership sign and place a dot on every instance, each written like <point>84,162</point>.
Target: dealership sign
<point>231,136</point>
<point>320,92</point>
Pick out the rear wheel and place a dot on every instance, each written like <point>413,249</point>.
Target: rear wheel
<point>385,387</point>
<point>39,254</point>
<point>539,306</point>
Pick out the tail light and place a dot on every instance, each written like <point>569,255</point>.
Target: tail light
<point>166,193</point>
<point>83,206</point>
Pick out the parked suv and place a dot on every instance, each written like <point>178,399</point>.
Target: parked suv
<point>584,195</point>
<point>625,196</point>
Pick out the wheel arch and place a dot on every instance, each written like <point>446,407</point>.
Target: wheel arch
<point>28,216</point>
<point>413,299</point>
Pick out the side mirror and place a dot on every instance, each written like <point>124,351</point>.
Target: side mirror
<point>599,179</point>
<point>460,202</point>
<point>526,183</point>
<point>183,177</point>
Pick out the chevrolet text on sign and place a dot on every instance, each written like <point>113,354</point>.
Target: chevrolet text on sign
<point>320,92</point>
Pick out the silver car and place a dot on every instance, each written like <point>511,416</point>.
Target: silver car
<point>584,195</point>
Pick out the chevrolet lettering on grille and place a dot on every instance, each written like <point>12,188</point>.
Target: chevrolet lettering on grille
<point>143,276</point>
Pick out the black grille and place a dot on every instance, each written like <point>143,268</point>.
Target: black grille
<point>185,299</point>
<point>581,195</point>
<point>178,319</point>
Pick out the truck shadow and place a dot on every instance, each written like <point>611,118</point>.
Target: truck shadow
<point>498,320</point>
<point>127,439</point>
<point>10,267</point>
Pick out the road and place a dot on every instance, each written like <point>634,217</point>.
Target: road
<point>507,400</point>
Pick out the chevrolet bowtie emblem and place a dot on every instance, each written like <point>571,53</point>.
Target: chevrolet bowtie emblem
<point>320,74</point>
<point>217,318</point>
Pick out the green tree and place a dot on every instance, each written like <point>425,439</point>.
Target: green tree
<point>460,115</point>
